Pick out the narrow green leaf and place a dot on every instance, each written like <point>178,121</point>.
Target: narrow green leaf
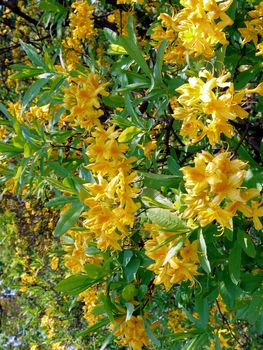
<point>174,250</point>
<point>6,112</point>
<point>92,250</point>
<point>246,243</point>
<point>166,219</point>
<point>202,307</point>
<point>130,308</point>
<point>135,52</point>
<point>204,259</point>
<point>157,70</point>
<point>59,186</point>
<point>75,284</point>
<point>32,92</point>
<point>61,201</point>
<point>154,198</point>
<point>235,263</point>
<point>7,148</point>
<point>32,54</point>
<point>110,336</point>
<point>132,112</point>
<point>69,218</point>
<point>150,334</point>
<point>197,343</point>
<point>158,181</point>
<point>95,327</point>
<point>127,134</point>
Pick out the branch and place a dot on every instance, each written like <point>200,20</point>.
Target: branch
<point>15,9</point>
<point>225,321</point>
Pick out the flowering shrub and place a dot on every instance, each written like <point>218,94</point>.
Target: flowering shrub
<point>139,121</point>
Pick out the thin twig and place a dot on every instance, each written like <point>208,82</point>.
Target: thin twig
<point>225,321</point>
<point>242,138</point>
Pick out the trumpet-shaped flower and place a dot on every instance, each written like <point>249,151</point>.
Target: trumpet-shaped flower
<point>215,192</point>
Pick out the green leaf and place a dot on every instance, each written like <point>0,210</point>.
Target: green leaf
<point>166,219</point>
<point>246,243</point>
<point>127,255</point>
<point>131,269</point>
<point>69,218</point>
<point>150,334</point>
<point>28,72</point>
<point>135,118</point>
<point>110,336</point>
<point>174,250</point>
<point>95,327</point>
<point>197,343</point>
<point>158,181</point>
<point>92,250</point>
<point>32,92</point>
<point>61,201</point>
<point>127,134</point>
<point>113,101</point>
<point>204,259</point>
<point>153,198</point>
<point>202,307</point>
<point>173,166</point>
<point>108,306</point>
<point>6,112</point>
<point>235,263</point>
<point>75,284</point>
<point>130,308</point>
<point>59,186</point>
<point>111,35</point>
<point>6,148</point>
<point>94,271</point>
<point>135,52</point>
<point>248,75</point>
<point>32,54</point>
<point>157,70</point>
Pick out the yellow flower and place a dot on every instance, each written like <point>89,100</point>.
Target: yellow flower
<point>81,21</point>
<point>206,107</point>
<point>54,263</point>
<point>58,346</point>
<point>90,300</point>
<point>185,30</point>
<point>253,27</point>
<point>181,267</point>
<point>257,211</point>
<point>131,332</point>
<point>82,100</point>
<point>214,190</point>
<point>148,148</point>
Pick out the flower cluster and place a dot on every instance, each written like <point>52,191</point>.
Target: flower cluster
<point>90,299</point>
<point>196,29</point>
<point>110,201</point>
<point>215,192</point>
<point>131,332</point>
<point>76,257</point>
<point>254,28</point>
<point>82,100</point>
<point>181,266</point>
<point>48,323</point>
<point>81,24</point>
<point>207,105</point>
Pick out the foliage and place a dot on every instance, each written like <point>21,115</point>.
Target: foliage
<point>140,123</point>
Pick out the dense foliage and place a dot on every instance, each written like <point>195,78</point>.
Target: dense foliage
<point>131,174</point>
